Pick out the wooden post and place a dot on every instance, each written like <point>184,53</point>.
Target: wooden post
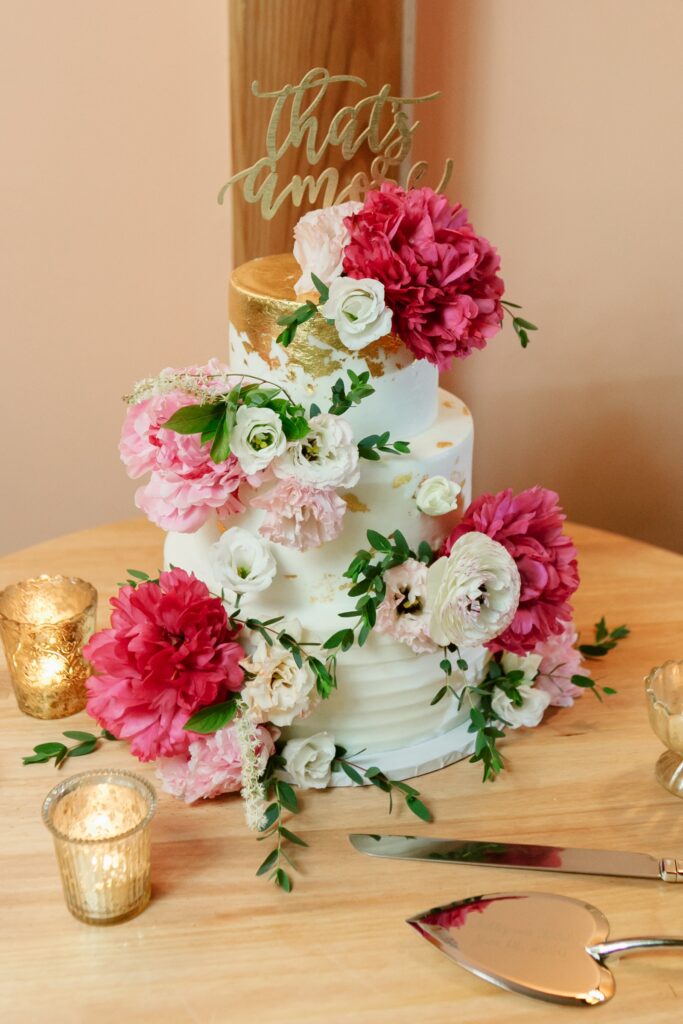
<point>275,42</point>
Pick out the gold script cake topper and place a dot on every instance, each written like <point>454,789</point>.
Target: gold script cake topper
<point>350,128</point>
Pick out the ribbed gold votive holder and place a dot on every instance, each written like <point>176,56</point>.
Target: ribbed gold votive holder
<point>664,692</point>
<point>100,823</point>
<point>44,623</point>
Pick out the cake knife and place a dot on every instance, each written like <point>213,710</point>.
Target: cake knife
<point>520,855</point>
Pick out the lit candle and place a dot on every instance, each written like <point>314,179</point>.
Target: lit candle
<point>44,623</point>
<point>100,824</point>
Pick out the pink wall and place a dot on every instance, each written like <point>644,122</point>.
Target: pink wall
<point>564,122</point>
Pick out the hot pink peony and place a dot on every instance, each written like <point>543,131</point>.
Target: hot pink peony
<point>560,660</point>
<point>402,613</point>
<point>214,765</point>
<point>299,516</point>
<point>529,525</point>
<point>440,278</point>
<point>169,651</point>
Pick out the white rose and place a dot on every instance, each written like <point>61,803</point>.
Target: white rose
<point>242,562</point>
<point>257,438</point>
<point>358,311</point>
<point>280,691</point>
<point>319,240</point>
<point>528,664</point>
<point>326,457</point>
<point>437,495</point>
<point>529,714</point>
<point>472,595</point>
<point>309,760</point>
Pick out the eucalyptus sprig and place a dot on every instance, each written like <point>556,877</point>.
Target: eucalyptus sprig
<point>377,778</point>
<point>342,400</point>
<point>370,447</point>
<point>521,326</point>
<point>87,743</point>
<point>605,640</point>
<point>284,799</point>
<point>292,321</point>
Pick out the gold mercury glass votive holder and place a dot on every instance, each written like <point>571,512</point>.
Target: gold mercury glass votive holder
<point>44,623</point>
<point>664,690</point>
<point>100,823</point>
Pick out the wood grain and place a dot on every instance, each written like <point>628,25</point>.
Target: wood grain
<point>275,42</point>
<point>219,945</point>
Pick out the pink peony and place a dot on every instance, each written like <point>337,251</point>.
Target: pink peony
<point>401,614</point>
<point>169,651</point>
<point>560,660</point>
<point>529,526</point>
<point>440,278</point>
<point>214,765</point>
<point>299,516</point>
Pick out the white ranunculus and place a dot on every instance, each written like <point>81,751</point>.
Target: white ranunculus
<point>257,438</point>
<point>309,760</point>
<point>358,311</point>
<point>280,691</point>
<point>326,457</point>
<point>242,562</point>
<point>473,593</point>
<point>319,240</point>
<point>437,495</point>
<point>529,714</point>
<point>528,664</point>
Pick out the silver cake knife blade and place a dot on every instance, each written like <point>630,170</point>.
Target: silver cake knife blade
<point>521,855</point>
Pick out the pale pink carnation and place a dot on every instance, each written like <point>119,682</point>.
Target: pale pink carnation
<point>560,660</point>
<point>319,240</point>
<point>214,765</point>
<point>401,614</point>
<point>184,499</point>
<point>300,517</point>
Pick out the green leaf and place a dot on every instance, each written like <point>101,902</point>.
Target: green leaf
<point>424,552</point>
<point>321,288</point>
<point>339,639</point>
<point>601,630</point>
<point>439,695</point>
<point>291,836</point>
<point>609,690</point>
<point>593,650</point>
<point>445,666</point>
<point>193,419</point>
<point>212,718</point>
<point>74,734</point>
<point>349,770</point>
<point>106,735</point>
<point>268,863</point>
<point>462,664</point>
<point>220,449</point>
<point>287,796</point>
<point>50,749</point>
<point>584,681</point>
<point>36,759</point>
<point>283,880</point>
<point>272,813</point>
<point>137,574</point>
<point>418,808</point>
<point>83,748</point>
<point>373,772</point>
<point>620,632</point>
<point>526,324</point>
<point>378,541</point>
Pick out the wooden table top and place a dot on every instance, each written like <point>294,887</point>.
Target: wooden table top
<point>218,944</point>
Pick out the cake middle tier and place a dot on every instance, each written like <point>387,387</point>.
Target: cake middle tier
<point>310,585</point>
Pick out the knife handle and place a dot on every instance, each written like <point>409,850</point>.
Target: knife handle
<point>671,870</point>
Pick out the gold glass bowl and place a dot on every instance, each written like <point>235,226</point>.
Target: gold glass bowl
<point>44,623</point>
<point>664,691</point>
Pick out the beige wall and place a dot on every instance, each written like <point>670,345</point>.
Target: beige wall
<point>114,250</point>
<point>564,119</point>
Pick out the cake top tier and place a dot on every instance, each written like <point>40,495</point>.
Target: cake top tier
<point>262,292</point>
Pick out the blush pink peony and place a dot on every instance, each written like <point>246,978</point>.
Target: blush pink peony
<point>529,526</point>
<point>440,278</point>
<point>560,660</point>
<point>298,516</point>
<point>402,614</point>
<point>169,651</point>
<point>213,767</point>
<point>319,240</point>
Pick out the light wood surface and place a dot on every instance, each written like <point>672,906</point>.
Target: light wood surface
<point>275,42</point>
<point>219,945</point>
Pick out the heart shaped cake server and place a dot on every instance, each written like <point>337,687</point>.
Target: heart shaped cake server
<point>539,944</point>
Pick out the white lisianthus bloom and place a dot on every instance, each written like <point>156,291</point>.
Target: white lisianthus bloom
<point>437,495</point>
<point>528,664</point>
<point>358,311</point>
<point>242,562</point>
<point>473,593</point>
<point>257,438</point>
<point>326,457</point>
<point>319,240</point>
<point>309,760</point>
<point>529,714</point>
<point>280,691</point>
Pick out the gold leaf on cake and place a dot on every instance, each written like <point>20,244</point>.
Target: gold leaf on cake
<point>444,444</point>
<point>399,481</point>
<point>354,504</point>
